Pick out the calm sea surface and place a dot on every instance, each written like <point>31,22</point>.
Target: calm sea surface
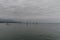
<point>16,31</point>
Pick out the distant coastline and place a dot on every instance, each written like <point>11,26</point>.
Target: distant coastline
<point>29,23</point>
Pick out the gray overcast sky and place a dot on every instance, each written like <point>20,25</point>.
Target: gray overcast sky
<point>30,9</point>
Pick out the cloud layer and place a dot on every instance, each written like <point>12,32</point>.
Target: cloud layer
<point>30,9</point>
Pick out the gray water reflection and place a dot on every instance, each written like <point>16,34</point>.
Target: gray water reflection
<point>15,31</point>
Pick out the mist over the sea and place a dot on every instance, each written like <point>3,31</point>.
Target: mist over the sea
<point>40,19</point>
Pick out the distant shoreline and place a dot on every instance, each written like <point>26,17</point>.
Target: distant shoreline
<point>29,23</point>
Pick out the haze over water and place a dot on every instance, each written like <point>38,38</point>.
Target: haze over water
<point>40,11</point>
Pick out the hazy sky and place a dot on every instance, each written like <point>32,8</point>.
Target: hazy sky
<point>30,9</point>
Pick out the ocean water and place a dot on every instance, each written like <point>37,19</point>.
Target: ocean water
<point>16,31</point>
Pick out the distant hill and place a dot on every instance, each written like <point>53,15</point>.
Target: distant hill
<point>8,21</point>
